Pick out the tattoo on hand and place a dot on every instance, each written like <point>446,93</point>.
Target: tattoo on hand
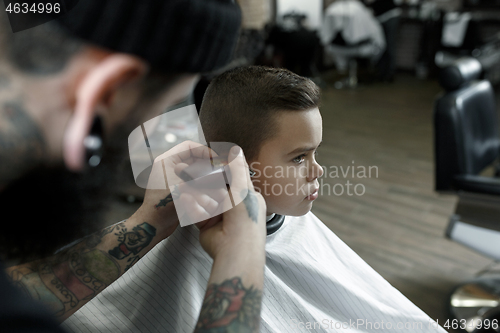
<point>168,199</point>
<point>229,307</point>
<point>252,204</point>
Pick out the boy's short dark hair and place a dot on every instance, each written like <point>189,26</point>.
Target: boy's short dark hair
<point>241,105</point>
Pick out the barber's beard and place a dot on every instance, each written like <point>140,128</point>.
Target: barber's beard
<point>51,207</point>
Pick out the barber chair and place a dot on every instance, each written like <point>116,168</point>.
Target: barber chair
<point>353,53</point>
<point>466,144</point>
<point>349,33</point>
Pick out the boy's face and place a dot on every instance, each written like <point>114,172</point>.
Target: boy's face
<point>286,168</point>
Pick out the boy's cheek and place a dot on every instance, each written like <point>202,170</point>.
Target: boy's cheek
<point>287,198</point>
<point>283,195</point>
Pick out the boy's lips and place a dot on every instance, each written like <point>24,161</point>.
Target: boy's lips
<point>313,196</point>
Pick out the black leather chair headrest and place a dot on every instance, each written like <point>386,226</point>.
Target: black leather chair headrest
<point>461,72</point>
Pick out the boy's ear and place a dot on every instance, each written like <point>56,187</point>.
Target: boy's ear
<point>94,91</point>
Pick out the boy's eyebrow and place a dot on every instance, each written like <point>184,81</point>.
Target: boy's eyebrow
<point>303,149</point>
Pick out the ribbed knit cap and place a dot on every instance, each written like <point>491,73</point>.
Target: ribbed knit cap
<point>171,35</point>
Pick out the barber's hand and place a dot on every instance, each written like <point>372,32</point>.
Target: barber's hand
<point>241,229</point>
<point>165,185</point>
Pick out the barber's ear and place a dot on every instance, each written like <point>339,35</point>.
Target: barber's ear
<point>94,91</point>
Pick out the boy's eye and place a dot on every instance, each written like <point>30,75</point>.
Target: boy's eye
<point>299,159</point>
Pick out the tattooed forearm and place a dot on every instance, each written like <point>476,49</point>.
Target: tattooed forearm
<point>229,307</point>
<point>165,201</point>
<point>168,199</point>
<point>21,142</point>
<point>133,242</point>
<point>95,239</point>
<point>251,204</point>
<point>63,283</point>
<point>68,280</point>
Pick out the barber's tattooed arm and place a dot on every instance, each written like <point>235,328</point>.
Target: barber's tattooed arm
<point>69,279</point>
<point>230,307</point>
<point>169,198</point>
<point>234,295</point>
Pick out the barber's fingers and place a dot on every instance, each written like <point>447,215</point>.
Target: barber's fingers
<point>217,194</point>
<point>178,168</point>
<point>163,175</point>
<point>250,205</point>
<point>240,182</point>
<point>209,204</point>
<point>197,208</point>
<point>208,200</point>
<point>187,150</point>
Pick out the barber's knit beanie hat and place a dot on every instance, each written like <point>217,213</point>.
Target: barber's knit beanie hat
<point>173,36</point>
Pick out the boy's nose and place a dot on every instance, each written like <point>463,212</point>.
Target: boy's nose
<point>316,171</point>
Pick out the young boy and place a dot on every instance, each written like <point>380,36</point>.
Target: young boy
<point>313,281</point>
